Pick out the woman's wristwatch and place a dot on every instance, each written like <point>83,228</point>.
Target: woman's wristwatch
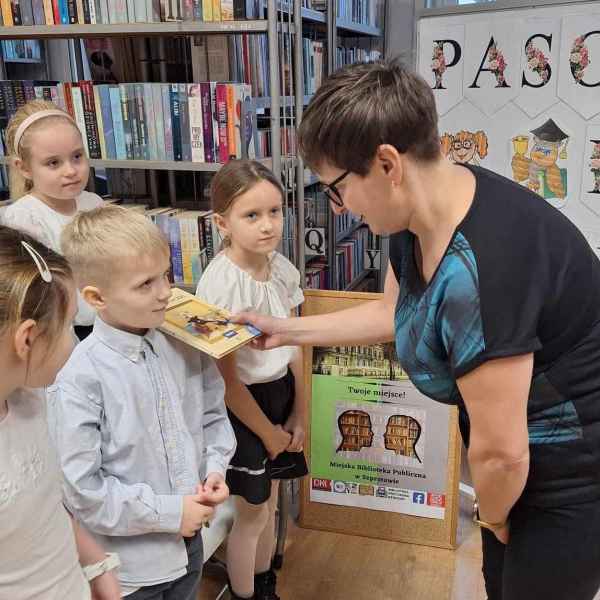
<point>110,562</point>
<point>485,524</point>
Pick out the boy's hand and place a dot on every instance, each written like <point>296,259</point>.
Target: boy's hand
<point>195,515</point>
<point>214,490</point>
<point>106,587</point>
<point>277,442</point>
<point>295,426</point>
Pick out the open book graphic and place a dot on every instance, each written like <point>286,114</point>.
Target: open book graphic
<point>204,326</point>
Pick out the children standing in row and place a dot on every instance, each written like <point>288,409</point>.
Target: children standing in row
<point>266,408</point>
<point>48,174</point>
<point>138,418</point>
<point>39,542</point>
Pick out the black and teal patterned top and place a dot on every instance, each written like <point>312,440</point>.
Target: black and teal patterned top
<point>517,277</point>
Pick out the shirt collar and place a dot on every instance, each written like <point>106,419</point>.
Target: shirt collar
<point>128,345</point>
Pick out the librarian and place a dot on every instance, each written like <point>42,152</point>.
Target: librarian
<point>493,299</point>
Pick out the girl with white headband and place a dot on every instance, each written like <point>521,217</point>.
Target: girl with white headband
<point>44,553</point>
<point>48,172</point>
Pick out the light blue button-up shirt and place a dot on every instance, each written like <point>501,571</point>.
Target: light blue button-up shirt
<point>138,422</point>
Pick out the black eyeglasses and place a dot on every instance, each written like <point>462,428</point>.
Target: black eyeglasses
<point>331,191</point>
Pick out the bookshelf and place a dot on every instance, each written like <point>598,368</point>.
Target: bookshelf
<point>346,35</point>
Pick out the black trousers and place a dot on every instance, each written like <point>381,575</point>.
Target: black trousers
<point>552,554</point>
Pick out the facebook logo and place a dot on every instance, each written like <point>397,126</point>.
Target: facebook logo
<point>418,498</point>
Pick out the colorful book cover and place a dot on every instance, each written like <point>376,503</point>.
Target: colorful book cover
<point>231,142</point>
<point>67,89</point>
<point>114,93</point>
<point>204,326</point>
<point>159,124</point>
<point>184,115</point>
<point>215,119</point>
<point>207,122</point>
<point>222,120</point>
<point>196,124</point>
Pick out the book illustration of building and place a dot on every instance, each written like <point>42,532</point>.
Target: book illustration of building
<point>402,434</point>
<point>356,429</point>
<point>377,361</point>
<point>210,325</point>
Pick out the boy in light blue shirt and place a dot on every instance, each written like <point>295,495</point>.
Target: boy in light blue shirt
<point>138,418</point>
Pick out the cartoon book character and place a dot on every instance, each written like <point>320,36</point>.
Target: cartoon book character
<point>465,146</point>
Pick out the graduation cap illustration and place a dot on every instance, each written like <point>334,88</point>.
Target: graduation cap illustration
<point>552,133</point>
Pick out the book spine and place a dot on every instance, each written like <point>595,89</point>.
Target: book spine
<point>216,10</point>
<point>175,244</point>
<point>68,94</point>
<point>188,10</point>
<point>168,122</point>
<point>196,125</point>
<point>231,146</point>
<point>238,98</point>
<point>160,122</point>
<point>16,12</point>
<point>195,248</point>
<point>140,11</point>
<point>222,120</point>
<point>127,132</point>
<point>239,9</point>
<point>95,17</point>
<point>150,120</point>
<point>215,119</point>
<point>63,8</point>
<point>207,222</point>
<point>207,11</point>
<point>99,121</point>
<point>107,121</point>
<point>186,243</point>
<point>7,14</point>
<point>197,10</point>
<point>130,11</point>
<point>184,115</point>
<point>79,115</point>
<point>207,127</point>
<point>39,17</point>
<point>132,107</point>
<point>175,121</point>
<point>114,93</point>
<point>89,113</point>
<point>248,132</point>
<point>226,10</point>
<point>28,90</point>
<point>72,11</point>
<point>143,120</point>
<point>104,11</point>
<point>83,11</point>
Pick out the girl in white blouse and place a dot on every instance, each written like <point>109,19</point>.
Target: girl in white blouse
<point>48,172</point>
<point>42,549</point>
<point>266,409</point>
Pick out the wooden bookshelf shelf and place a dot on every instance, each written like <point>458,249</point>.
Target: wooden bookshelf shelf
<point>179,28</point>
<point>358,28</point>
<point>157,165</point>
<point>25,61</point>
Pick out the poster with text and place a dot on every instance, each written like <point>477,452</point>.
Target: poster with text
<point>376,441</point>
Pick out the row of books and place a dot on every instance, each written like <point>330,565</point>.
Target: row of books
<point>364,12</point>
<point>198,122</point>
<point>19,49</point>
<point>317,213</point>
<point>348,55</point>
<point>72,12</point>
<point>312,65</point>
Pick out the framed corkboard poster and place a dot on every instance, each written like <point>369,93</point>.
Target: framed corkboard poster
<point>383,459</point>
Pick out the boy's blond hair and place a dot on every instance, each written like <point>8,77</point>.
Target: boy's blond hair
<point>96,241</point>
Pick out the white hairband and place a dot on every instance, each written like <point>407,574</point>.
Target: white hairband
<point>41,114</point>
<point>39,261</point>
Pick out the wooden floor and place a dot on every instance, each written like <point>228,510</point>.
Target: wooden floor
<point>340,567</point>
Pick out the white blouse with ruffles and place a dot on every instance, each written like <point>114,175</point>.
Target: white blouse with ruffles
<point>225,284</point>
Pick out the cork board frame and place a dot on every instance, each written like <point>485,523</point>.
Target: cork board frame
<point>440,533</point>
